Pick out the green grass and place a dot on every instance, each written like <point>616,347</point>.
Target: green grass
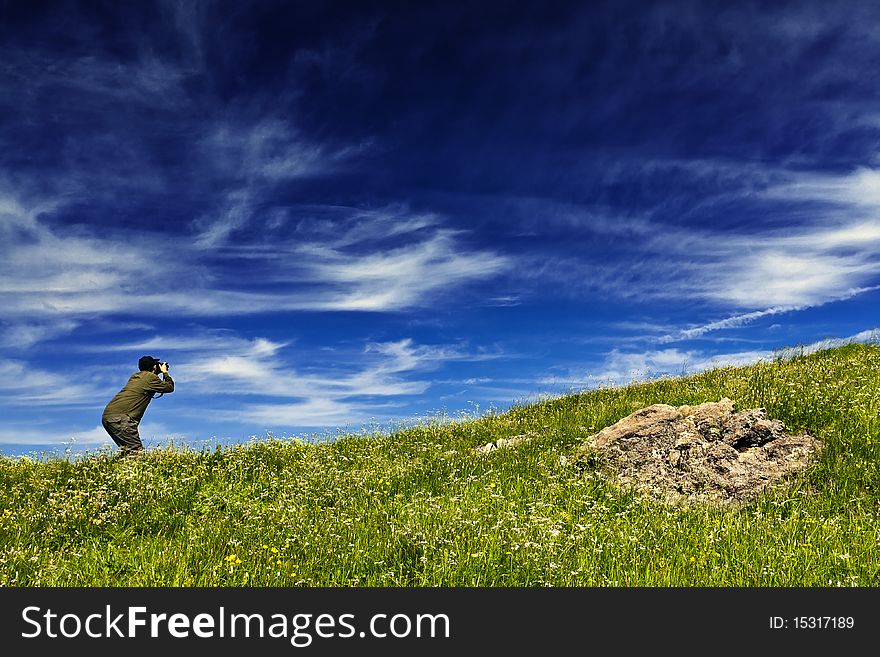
<point>418,508</point>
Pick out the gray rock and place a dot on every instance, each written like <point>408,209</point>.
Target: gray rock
<point>706,452</point>
<point>503,442</point>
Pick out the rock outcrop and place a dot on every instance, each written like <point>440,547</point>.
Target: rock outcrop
<point>706,452</point>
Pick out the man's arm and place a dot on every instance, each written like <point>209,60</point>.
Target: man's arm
<point>161,385</point>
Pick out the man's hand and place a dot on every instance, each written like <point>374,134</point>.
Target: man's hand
<point>163,368</point>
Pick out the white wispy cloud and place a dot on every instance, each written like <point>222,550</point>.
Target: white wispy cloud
<point>147,79</point>
<point>198,341</point>
<point>766,272</point>
<point>803,268</point>
<point>251,158</point>
<point>258,367</point>
<point>622,367</point>
<point>353,390</point>
<point>871,336</point>
<point>30,436</point>
<point>314,412</point>
<point>234,160</point>
<point>743,319</point>
<point>50,277</point>
<point>378,260</point>
<point>821,245</point>
<point>399,278</point>
<point>25,385</point>
<point>26,334</point>
<point>90,438</point>
<point>857,189</point>
<point>46,276</point>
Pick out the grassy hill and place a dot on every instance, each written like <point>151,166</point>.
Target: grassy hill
<point>419,508</point>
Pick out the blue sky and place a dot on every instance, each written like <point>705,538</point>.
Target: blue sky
<point>335,215</point>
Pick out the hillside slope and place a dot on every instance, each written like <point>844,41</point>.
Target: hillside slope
<point>421,508</point>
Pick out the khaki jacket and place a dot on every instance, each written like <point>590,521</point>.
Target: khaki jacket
<point>134,398</point>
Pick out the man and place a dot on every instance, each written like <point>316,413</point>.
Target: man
<point>124,412</point>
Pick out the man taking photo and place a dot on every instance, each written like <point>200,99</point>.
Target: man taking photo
<point>124,412</point>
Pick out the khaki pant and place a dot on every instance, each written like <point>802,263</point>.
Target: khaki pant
<point>124,432</point>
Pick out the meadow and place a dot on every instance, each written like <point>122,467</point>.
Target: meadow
<point>417,507</point>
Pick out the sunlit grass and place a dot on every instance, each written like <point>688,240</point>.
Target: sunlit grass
<point>419,508</point>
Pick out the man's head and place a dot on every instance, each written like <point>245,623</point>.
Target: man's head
<point>148,363</point>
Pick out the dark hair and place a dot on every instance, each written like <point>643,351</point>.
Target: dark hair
<point>146,363</point>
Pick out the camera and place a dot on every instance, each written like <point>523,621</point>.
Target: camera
<point>160,363</point>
